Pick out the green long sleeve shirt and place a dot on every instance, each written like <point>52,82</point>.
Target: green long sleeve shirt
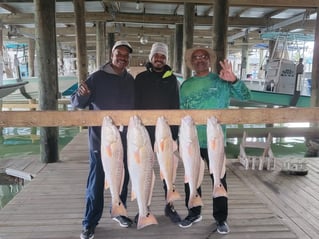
<point>210,92</point>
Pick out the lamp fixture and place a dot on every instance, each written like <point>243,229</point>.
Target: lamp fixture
<point>144,39</point>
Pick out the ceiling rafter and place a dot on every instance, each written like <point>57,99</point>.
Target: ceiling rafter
<point>162,23</point>
<point>9,8</point>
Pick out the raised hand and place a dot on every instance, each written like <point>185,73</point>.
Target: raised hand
<point>226,73</point>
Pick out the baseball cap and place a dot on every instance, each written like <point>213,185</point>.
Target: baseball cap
<point>122,43</point>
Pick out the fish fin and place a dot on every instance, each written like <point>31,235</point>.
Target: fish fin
<point>222,174</point>
<point>219,191</point>
<point>155,147</point>
<point>175,146</point>
<point>137,157</point>
<point>175,166</point>
<point>123,176</point>
<point>118,209</point>
<point>161,175</point>
<point>145,221</point>
<point>213,144</point>
<point>106,185</point>
<point>151,190</point>
<point>108,150</point>
<point>201,173</point>
<point>190,150</point>
<point>162,145</point>
<point>186,179</point>
<point>133,195</point>
<point>177,154</point>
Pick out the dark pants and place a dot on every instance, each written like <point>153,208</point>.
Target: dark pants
<point>220,204</point>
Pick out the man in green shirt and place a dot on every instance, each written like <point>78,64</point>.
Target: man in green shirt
<point>208,90</point>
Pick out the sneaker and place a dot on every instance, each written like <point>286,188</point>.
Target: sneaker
<point>222,227</point>
<point>87,233</point>
<point>123,221</point>
<point>189,220</point>
<point>171,213</point>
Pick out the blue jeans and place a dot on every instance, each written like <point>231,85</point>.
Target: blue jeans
<point>95,190</point>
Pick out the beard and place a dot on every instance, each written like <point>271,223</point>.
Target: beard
<point>158,65</point>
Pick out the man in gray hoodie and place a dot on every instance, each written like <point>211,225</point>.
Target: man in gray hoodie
<point>109,88</point>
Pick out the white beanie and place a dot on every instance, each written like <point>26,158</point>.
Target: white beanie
<point>158,47</point>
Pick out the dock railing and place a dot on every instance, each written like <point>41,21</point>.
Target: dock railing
<point>149,117</point>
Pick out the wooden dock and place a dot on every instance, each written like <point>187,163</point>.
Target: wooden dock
<point>262,204</point>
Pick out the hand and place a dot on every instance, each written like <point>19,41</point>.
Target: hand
<point>84,89</point>
<point>226,73</point>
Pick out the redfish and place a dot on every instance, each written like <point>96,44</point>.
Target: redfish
<point>216,155</point>
<point>140,159</point>
<point>193,164</point>
<point>164,148</point>
<point>113,165</point>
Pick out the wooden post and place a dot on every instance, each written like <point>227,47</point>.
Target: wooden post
<point>31,55</point>
<point>111,41</point>
<point>188,33</point>
<point>100,44</point>
<point>178,50</point>
<point>60,59</point>
<point>171,49</point>
<point>312,142</point>
<point>315,67</point>
<point>221,9</point>
<point>1,73</point>
<point>244,58</point>
<point>81,54</point>
<point>48,84</point>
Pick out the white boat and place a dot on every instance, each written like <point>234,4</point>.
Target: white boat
<point>10,88</point>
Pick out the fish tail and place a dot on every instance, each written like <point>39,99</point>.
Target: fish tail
<point>173,195</point>
<point>219,191</point>
<point>195,201</point>
<point>144,221</point>
<point>118,209</point>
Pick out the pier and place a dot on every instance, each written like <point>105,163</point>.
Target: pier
<point>262,204</point>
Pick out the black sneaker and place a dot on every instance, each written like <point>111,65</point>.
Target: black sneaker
<point>171,213</point>
<point>222,227</point>
<point>123,221</point>
<point>189,220</point>
<point>87,233</point>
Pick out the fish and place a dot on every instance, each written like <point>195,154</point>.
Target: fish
<point>164,148</point>
<point>140,160</point>
<point>216,155</point>
<point>193,164</point>
<point>113,164</point>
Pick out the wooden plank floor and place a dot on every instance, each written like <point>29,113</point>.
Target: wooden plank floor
<point>261,204</point>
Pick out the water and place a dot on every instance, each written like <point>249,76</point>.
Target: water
<point>22,141</point>
<point>8,189</point>
<point>25,141</point>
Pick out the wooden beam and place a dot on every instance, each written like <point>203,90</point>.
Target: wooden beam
<point>149,117</point>
<point>81,60</point>
<point>250,3</point>
<point>69,18</point>
<point>9,8</point>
